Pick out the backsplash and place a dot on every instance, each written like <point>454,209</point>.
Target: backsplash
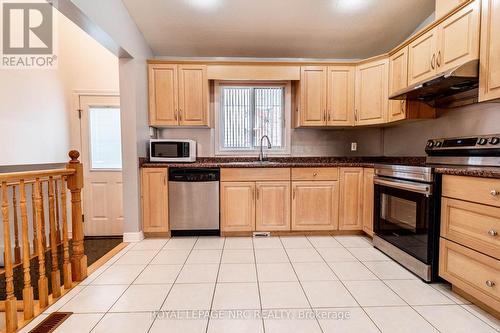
<point>305,142</point>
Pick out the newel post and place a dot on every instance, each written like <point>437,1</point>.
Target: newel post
<point>75,185</point>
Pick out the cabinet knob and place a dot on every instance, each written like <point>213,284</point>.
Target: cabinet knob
<point>490,283</point>
<point>314,174</point>
<point>492,232</point>
<point>494,193</point>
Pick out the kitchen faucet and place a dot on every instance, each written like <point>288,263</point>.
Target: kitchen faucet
<point>269,146</point>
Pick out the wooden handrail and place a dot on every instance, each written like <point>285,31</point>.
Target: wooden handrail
<point>49,203</point>
<point>10,177</point>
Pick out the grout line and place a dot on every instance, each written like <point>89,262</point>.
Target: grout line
<point>300,282</point>
<point>215,285</point>
<point>258,286</point>
<point>472,313</point>
<point>173,283</point>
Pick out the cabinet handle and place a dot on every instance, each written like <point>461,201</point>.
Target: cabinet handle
<point>180,114</point>
<point>315,174</point>
<point>494,192</point>
<point>257,193</point>
<point>402,107</point>
<point>175,114</point>
<point>293,194</point>
<point>438,60</point>
<point>356,115</point>
<point>253,194</point>
<point>329,116</point>
<point>492,232</point>
<point>433,61</point>
<point>324,115</point>
<point>490,283</point>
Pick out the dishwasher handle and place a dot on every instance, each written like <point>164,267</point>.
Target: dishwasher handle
<point>193,175</point>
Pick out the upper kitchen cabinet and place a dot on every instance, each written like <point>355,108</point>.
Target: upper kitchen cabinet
<point>398,80</point>
<point>372,90</point>
<point>443,7</point>
<point>489,77</point>
<point>459,38</point>
<point>451,43</point>
<point>313,99</point>
<point>178,95</point>
<point>340,96</point>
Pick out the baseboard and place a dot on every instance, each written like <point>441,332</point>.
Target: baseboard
<point>133,237</point>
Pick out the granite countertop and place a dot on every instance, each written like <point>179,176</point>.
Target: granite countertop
<point>285,162</point>
<point>485,172</point>
<point>312,162</point>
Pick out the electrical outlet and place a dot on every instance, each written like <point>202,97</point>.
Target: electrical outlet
<point>354,146</point>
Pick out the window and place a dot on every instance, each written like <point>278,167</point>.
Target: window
<point>248,112</point>
<point>105,138</point>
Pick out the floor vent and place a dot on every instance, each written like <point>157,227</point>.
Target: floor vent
<point>261,234</point>
<point>51,322</point>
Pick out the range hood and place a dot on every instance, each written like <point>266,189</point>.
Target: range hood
<point>455,87</point>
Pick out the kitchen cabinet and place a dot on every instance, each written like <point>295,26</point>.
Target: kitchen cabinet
<point>272,210</point>
<point>154,197</point>
<point>178,95</point>
<point>398,80</point>
<point>453,42</point>
<point>313,96</point>
<point>489,76</point>
<point>325,96</point>
<point>351,199</point>
<point>368,174</point>
<point>372,90</point>
<point>340,96</point>
<point>237,206</point>
<point>443,7</point>
<point>314,205</point>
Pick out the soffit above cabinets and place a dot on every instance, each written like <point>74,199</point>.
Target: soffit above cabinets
<point>334,29</point>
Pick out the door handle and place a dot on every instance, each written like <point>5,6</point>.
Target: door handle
<point>356,115</point>
<point>433,61</point>
<point>438,59</point>
<point>180,114</point>
<point>175,114</point>
<point>324,115</point>
<point>329,116</point>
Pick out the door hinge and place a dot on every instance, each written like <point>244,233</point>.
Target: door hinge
<point>83,218</point>
<point>79,113</point>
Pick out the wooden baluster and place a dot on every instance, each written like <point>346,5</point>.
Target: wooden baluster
<point>43,284</point>
<point>28,289</point>
<point>75,184</point>
<point>42,216</point>
<point>55,274</point>
<point>33,212</point>
<point>10,301</point>
<point>66,262</point>
<point>17,249</point>
<point>58,222</point>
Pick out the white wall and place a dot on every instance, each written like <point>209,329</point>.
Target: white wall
<point>35,105</point>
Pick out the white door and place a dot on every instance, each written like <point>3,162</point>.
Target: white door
<point>102,161</point>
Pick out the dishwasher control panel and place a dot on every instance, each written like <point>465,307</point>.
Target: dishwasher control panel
<point>193,175</point>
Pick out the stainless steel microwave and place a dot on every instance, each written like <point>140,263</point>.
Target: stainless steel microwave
<point>166,150</point>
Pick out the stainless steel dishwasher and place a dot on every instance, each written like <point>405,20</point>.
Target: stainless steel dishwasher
<point>193,201</point>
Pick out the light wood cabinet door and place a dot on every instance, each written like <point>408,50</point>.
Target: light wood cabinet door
<point>340,96</point>
<point>163,95</point>
<point>313,95</point>
<point>443,7</point>
<point>272,209</point>
<point>489,77</point>
<point>398,80</point>
<point>237,206</point>
<point>315,205</point>
<point>154,195</point>
<point>372,90</point>
<point>193,95</point>
<point>459,38</point>
<point>422,57</point>
<point>368,199</point>
<point>351,199</point>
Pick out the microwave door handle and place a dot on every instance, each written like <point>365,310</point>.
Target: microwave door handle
<point>402,185</point>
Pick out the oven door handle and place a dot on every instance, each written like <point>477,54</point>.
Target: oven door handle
<point>404,185</point>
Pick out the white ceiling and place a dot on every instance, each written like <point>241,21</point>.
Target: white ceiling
<point>277,28</point>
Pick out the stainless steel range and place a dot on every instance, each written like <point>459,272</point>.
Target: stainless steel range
<point>407,200</point>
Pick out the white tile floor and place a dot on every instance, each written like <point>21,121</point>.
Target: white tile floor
<point>288,284</point>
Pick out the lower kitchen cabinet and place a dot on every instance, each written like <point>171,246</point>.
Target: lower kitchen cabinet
<point>154,196</point>
<point>368,174</point>
<point>272,208</point>
<point>237,206</point>
<point>315,205</point>
<point>351,199</point>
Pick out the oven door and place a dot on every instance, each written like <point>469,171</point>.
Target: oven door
<point>403,215</point>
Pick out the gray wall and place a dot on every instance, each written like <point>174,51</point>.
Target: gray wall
<point>305,142</point>
<point>409,139</point>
